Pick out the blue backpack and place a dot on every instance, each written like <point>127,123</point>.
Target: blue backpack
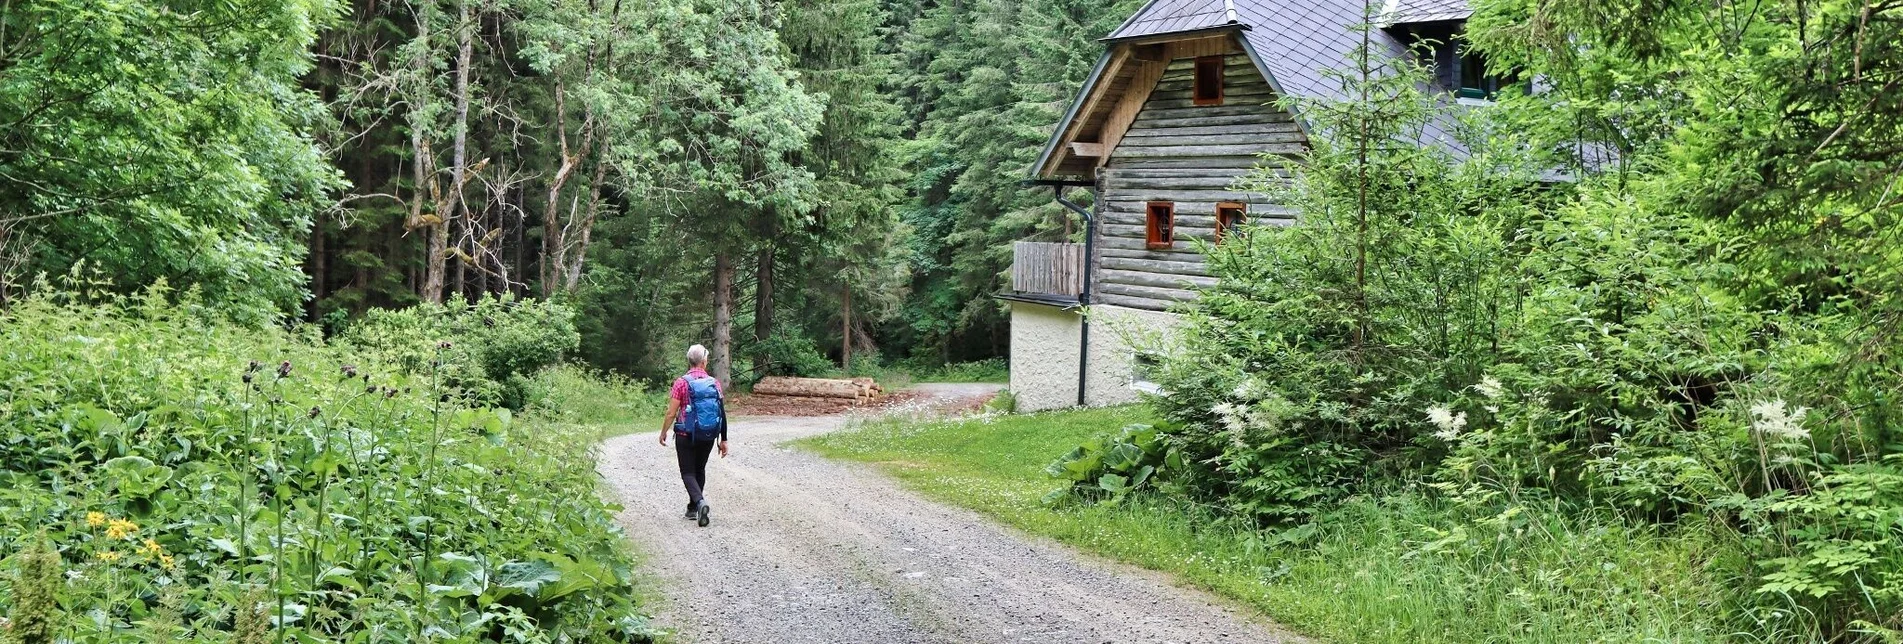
<point>706,414</point>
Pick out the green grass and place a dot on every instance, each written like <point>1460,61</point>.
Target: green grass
<point>906,373</point>
<point>1399,568</point>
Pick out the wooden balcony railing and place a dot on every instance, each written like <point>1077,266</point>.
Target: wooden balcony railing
<point>1047,268</point>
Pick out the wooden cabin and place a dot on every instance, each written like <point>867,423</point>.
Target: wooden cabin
<point>1179,107</point>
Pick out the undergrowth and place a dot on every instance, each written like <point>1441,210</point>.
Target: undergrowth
<point>166,476</point>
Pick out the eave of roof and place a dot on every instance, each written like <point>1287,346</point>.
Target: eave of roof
<point>1063,125</point>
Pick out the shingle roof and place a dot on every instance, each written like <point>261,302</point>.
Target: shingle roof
<point>1296,41</point>
<point>1174,16</point>
<point>1403,12</point>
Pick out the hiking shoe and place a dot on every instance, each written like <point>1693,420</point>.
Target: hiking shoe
<point>693,512</point>
<point>703,515</point>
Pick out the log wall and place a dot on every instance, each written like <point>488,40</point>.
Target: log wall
<point>1190,155</point>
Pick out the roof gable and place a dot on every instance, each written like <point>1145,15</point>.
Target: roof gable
<point>1292,42</point>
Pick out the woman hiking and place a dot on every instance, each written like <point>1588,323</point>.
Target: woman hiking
<point>697,417</point>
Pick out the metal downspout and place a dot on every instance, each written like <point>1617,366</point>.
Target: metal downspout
<point>1083,298</point>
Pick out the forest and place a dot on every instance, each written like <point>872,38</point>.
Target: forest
<point>796,181</point>
<point>312,311</point>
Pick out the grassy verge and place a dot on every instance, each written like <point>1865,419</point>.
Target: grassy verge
<point>1400,568</point>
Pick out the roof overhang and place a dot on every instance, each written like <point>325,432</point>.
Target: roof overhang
<point>1116,53</point>
<point>1175,35</point>
<point>1058,301</point>
<point>1040,169</point>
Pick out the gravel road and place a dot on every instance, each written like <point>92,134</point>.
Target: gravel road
<point>808,550</point>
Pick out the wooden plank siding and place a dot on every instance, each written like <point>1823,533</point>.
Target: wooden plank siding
<point>1047,268</point>
<point>1191,156</point>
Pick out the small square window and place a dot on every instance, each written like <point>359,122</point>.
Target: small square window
<point>1207,87</point>
<point>1477,79</point>
<point>1159,225</point>
<point>1144,367</point>
<point>1230,215</point>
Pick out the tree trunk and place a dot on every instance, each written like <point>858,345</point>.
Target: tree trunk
<point>459,279</point>
<point>763,304</point>
<point>587,225</point>
<point>450,202</point>
<point>317,267</point>
<point>421,155</point>
<point>845,328</point>
<point>721,363</point>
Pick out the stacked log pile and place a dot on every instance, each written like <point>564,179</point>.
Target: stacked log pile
<point>858,390</point>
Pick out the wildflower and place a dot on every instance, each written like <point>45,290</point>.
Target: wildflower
<point>150,547</point>
<point>1770,418</point>
<point>1450,423</point>
<point>370,389</point>
<point>350,371</point>
<point>389,392</point>
<point>1235,422</point>
<point>253,366</point>
<point>120,528</point>
<point>110,556</point>
<point>95,519</point>
<point>284,369</point>
<point>1490,387</point>
<point>443,345</point>
<point>167,562</point>
<point>315,411</point>
<point>246,377</point>
<point>1246,390</point>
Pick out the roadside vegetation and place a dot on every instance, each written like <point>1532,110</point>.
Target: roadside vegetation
<point>1393,566</point>
<point>167,475</point>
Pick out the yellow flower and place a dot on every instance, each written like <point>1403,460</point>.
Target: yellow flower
<point>167,562</point>
<point>95,519</point>
<point>109,556</point>
<point>120,528</point>
<point>150,548</point>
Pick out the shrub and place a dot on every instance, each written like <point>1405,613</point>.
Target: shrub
<point>180,464</point>
<point>496,343</point>
<point>795,354</point>
<point>1323,341</point>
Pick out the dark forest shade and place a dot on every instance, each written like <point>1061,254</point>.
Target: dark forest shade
<point>1160,225</point>
<point>1208,83</point>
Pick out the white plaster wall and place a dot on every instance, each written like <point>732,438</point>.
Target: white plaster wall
<point>1044,356</point>
<point>1116,334</point>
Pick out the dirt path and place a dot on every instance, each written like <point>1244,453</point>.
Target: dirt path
<point>807,550</point>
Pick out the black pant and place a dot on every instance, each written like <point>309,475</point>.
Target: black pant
<point>693,458</point>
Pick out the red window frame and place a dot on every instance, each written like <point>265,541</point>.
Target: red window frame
<point>1230,214</point>
<point>1206,86</point>
<point>1159,225</point>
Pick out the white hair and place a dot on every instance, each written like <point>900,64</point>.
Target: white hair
<point>697,356</point>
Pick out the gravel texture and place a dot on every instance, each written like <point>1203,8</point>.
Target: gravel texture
<point>808,550</point>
